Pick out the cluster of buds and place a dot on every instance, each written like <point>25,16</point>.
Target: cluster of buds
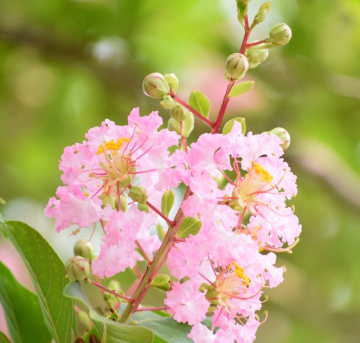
<point>256,52</point>
<point>164,87</point>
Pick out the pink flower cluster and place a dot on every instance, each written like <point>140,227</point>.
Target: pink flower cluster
<point>222,270</point>
<point>225,265</point>
<point>97,173</point>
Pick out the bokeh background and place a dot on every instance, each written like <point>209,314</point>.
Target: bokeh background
<point>66,65</point>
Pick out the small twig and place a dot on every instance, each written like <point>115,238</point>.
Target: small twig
<point>110,291</point>
<point>152,309</point>
<point>170,222</point>
<point>196,113</point>
<point>146,257</point>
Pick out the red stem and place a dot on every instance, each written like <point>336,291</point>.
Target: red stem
<point>110,291</point>
<point>170,222</point>
<point>143,252</point>
<point>170,237</point>
<point>199,115</point>
<point>256,43</point>
<point>231,84</point>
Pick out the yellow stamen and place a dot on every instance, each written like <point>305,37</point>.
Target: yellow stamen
<point>239,271</point>
<point>86,194</point>
<point>112,145</point>
<point>264,175</point>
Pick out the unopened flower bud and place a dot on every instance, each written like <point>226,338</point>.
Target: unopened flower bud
<point>77,268</point>
<point>155,86</point>
<point>280,34</point>
<point>138,194</point>
<point>143,207</point>
<point>172,81</point>
<point>114,285</point>
<point>262,13</point>
<point>283,135</point>
<point>167,102</point>
<point>84,248</point>
<point>236,66</point>
<point>256,56</point>
<point>178,113</point>
<point>187,125</point>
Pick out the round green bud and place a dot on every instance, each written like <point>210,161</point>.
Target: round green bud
<point>236,66</point>
<point>256,56</point>
<point>138,194</point>
<point>84,248</point>
<point>187,125</point>
<point>167,102</point>
<point>155,86</point>
<point>178,113</point>
<point>172,81</point>
<point>280,34</point>
<point>143,207</point>
<point>77,268</point>
<point>126,181</point>
<point>114,285</point>
<point>283,135</point>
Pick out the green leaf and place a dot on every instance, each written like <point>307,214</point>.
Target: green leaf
<point>228,126</point>
<point>3,338</point>
<point>189,226</point>
<point>113,332</point>
<point>161,281</point>
<point>262,13</point>
<point>47,272</point>
<point>167,202</point>
<point>241,88</point>
<point>200,103</point>
<point>242,8</point>
<point>22,310</point>
<point>165,328</point>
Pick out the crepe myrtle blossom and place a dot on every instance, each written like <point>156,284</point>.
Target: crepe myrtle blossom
<point>98,171</point>
<point>261,184</point>
<point>230,273</point>
<point>123,234</point>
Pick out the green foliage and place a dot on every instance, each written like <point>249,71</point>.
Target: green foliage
<point>189,226</point>
<point>22,310</point>
<point>165,328</point>
<point>3,338</point>
<point>47,272</point>
<point>167,202</point>
<point>161,282</point>
<point>262,13</point>
<point>112,332</point>
<point>200,103</point>
<point>228,126</point>
<point>241,88</point>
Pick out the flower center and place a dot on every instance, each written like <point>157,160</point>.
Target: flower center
<point>118,166</point>
<point>112,146</point>
<point>247,187</point>
<point>259,170</point>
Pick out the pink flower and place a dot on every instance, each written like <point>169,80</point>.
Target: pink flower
<point>201,334</point>
<point>98,171</point>
<point>73,208</point>
<point>122,232</point>
<point>186,303</point>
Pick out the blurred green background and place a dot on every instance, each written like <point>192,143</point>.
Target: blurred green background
<point>66,65</point>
